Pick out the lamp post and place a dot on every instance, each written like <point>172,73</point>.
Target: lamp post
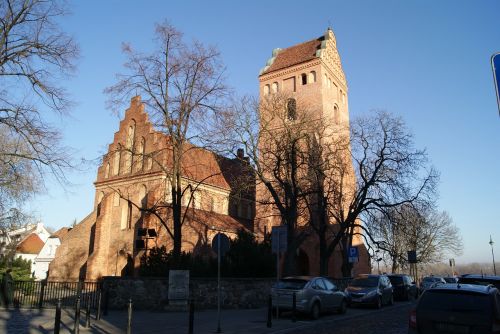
<point>493,256</point>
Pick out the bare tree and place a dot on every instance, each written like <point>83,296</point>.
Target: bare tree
<point>381,170</point>
<point>277,133</point>
<point>182,86</point>
<point>34,56</point>
<point>421,228</point>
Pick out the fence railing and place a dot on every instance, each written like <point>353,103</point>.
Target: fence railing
<point>45,294</point>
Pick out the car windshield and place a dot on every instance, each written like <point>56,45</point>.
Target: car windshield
<point>396,280</point>
<point>364,282</point>
<point>292,284</point>
<point>455,301</point>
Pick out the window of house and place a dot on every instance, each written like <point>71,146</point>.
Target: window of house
<point>129,146</point>
<point>266,90</point>
<point>312,76</point>
<point>336,116</point>
<point>291,109</point>
<point>274,87</point>
<point>116,199</point>
<point>304,78</point>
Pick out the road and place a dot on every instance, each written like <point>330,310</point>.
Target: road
<point>388,320</point>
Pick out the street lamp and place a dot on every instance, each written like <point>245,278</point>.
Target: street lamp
<point>493,256</point>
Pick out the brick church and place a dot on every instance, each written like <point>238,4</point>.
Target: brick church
<point>111,240</point>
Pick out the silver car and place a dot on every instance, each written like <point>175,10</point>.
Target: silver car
<point>314,295</point>
<point>430,281</point>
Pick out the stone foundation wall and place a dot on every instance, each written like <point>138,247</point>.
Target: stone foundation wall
<point>152,294</point>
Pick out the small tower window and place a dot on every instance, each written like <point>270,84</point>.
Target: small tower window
<point>291,109</point>
<point>312,77</point>
<point>116,163</point>
<point>266,90</point>
<point>274,87</point>
<point>304,78</point>
<point>336,116</point>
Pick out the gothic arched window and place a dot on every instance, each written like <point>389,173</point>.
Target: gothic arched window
<point>304,78</point>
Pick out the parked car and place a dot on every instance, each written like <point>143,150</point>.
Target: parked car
<point>403,287</point>
<point>430,281</point>
<point>375,290</point>
<point>480,279</point>
<point>450,279</point>
<point>314,295</point>
<point>457,308</point>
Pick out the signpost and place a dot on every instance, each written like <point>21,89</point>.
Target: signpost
<point>220,244</point>
<point>279,244</point>
<point>495,64</point>
<point>353,254</point>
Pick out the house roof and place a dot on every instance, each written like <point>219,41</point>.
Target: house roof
<point>60,233</point>
<point>295,55</point>
<point>31,244</point>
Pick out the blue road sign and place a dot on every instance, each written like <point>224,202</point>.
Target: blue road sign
<point>353,254</point>
<point>495,64</point>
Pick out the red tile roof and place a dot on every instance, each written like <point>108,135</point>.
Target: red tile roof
<point>32,244</point>
<point>60,233</point>
<point>295,55</point>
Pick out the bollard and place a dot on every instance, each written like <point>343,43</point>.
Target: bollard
<point>269,312</point>
<point>294,307</point>
<point>191,316</point>
<point>129,320</point>
<point>57,322</point>
<point>76,328</point>
<point>99,297</point>
<point>106,302</point>
<point>87,313</point>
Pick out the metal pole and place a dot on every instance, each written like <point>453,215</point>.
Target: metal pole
<point>99,300</point>
<point>87,313</point>
<point>218,283</point>
<point>191,316</point>
<point>278,276</point>
<point>57,322</point>
<point>269,311</point>
<point>129,320</point>
<point>493,256</point>
<point>76,328</point>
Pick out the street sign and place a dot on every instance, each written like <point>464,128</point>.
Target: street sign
<point>412,256</point>
<point>495,64</point>
<point>224,244</point>
<point>353,254</point>
<point>279,236</point>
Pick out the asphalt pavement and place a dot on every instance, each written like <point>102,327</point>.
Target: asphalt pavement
<point>388,320</point>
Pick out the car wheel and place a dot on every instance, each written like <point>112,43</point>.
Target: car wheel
<point>343,307</point>
<point>315,311</point>
<point>378,302</point>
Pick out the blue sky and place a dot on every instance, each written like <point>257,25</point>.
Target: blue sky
<point>428,61</point>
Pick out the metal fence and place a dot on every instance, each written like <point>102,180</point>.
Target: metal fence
<point>45,294</point>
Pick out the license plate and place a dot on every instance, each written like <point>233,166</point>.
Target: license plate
<point>450,328</point>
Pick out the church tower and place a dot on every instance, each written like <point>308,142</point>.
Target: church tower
<point>310,72</point>
<point>310,78</point>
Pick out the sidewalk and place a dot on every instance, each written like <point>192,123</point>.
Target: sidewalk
<point>232,321</point>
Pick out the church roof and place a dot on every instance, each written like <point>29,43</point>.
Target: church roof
<point>294,55</point>
<point>31,244</point>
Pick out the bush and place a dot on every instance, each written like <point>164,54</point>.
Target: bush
<point>21,269</point>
